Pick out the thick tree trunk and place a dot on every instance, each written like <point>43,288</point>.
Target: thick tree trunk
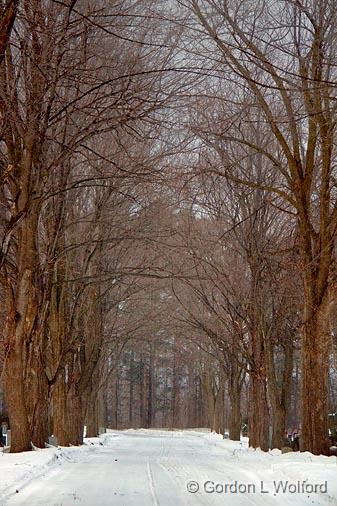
<point>258,417</point>
<point>235,414</point>
<point>235,382</point>
<point>314,382</point>
<point>92,420</point>
<point>14,389</point>
<point>60,423</point>
<point>37,389</point>
<point>258,411</point>
<point>18,370</point>
<point>102,406</point>
<point>7,19</point>
<point>92,414</point>
<point>220,411</point>
<point>235,420</point>
<point>68,416</point>
<point>75,417</point>
<point>209,399</point>
<point>279,391</point>
<point>40,418</point>
<point>25,387</point>
<point>278,425</point>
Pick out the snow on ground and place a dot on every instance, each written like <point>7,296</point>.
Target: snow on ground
<point>165,468</point>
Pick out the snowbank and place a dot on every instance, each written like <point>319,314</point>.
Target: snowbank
<point>166,457</point>
<point>292,466</point>
<point>18,469</point>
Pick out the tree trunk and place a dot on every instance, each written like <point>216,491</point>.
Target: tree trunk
<point>278,426</point>
<point>60,423</point>
<point>24,367</point>
<point>175,391</point>
<point>235,419</point>
<point>92,412</point>
<point>116,397</point>
<point>19,333</point>
<point>258,418</point>
<point>235,411</point>
<point>8,15</point>
<point>92,419</point>
<point>258,411</point>
<point>149,399</point>
<point>219,405</point>
<point>314,382</point>
<point>208,398</point>
<point>191,406</point>
<point>131,388</point>
<point>75,423</point>
<point>141,392</point>
<point>14,389</point>
<point>279,391</point>
<point>40,418</point>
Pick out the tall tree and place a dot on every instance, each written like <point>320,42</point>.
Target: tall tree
<point>286,83</point>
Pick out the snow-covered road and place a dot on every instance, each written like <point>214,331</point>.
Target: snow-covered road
<point>156,468</point>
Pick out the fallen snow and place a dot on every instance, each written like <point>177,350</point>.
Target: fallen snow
<point>152,467</point>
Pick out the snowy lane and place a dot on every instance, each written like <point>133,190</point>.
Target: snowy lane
<point>155,468</point>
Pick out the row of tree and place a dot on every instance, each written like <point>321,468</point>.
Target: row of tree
<point>168,180</point>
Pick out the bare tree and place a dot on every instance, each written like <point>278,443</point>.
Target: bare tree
<point>286,84</point>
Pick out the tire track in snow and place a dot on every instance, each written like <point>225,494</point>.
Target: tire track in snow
<point>151,484</point>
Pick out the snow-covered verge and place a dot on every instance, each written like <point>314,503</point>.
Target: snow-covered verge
<point>18,469</point>
<point>156,467</point>
<point>299,468</point>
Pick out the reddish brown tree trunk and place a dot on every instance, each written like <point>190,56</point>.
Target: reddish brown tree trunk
<point>220,411</point>
<point>75,417</point>
<point>14,389</point>
<point>279,395</point>
<point>6,24</point>
<point>92,420</point>
<point>235,419</point>
<point>60,419</point>
<point>92,413</point>
<point>314,382</point>
<point>234,388</point>
<point>258,415</point>
<point>40,418</point>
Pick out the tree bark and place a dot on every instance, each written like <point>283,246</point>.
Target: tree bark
<point>92,411</point>
<point>75,423</point>
<point>219,409</point>
<point>314,381</point>
<point>6,24</point>
<point>279,391</point>
<point>234,390</point>
<point>60,422</point>
<point>40,418</point>
<point>92,419</point>
<point>14,389</point>
<point>258,411</point>
<point>235,419</point>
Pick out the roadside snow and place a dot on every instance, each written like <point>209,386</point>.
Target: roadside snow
<point>19,469</point>
<point>155,468</point>
<point>293,466</point>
